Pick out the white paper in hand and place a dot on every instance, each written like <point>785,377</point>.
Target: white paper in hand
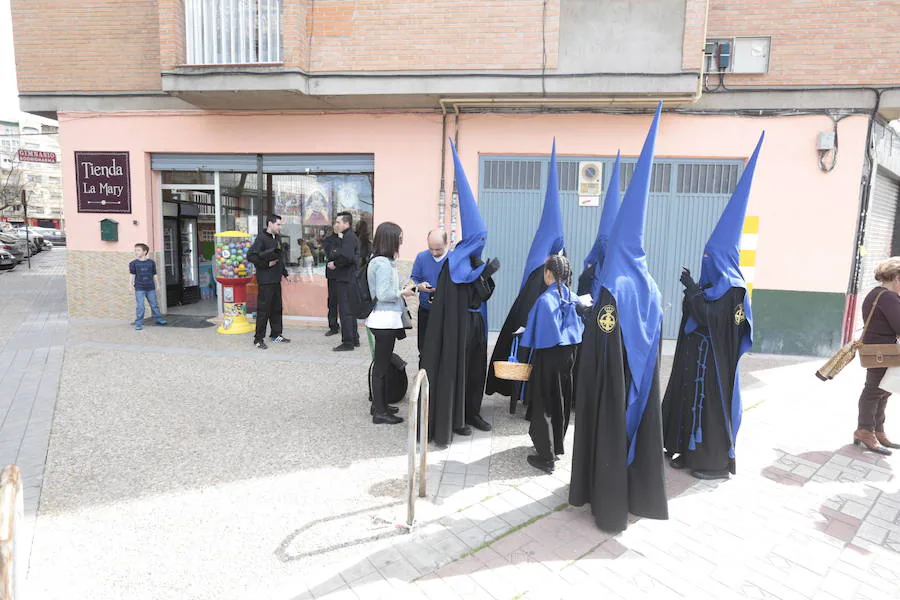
<point>891,380</point>
<point>587,300</point>
<point>519,330</point>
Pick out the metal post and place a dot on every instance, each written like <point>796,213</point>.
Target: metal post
<point>419,393</point>
<point>27,234</point>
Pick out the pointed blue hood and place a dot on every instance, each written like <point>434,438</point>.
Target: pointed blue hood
<point>474,231</point>
<point>721,257</point>
<point>721,271</point>
<point>611,204</point>
<point>548,239</point>
<point>625,275</point>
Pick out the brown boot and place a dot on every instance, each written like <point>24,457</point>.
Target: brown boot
<point>884,441</point>
<point>864,437</point>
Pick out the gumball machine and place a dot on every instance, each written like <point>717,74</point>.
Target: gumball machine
<point>234,271</point>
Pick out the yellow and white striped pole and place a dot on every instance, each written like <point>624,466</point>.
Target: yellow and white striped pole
<point>749,237</point>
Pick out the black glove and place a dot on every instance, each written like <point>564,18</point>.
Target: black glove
<point>686,280</point>
<point>493,265</point>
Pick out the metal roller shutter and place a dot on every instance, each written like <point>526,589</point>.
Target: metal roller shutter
<point>879,231</point>
<point>318,163</point>
<point>203,162</point>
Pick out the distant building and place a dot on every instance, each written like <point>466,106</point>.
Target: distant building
<point>30,159</point>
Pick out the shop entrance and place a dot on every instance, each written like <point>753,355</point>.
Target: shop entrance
<point>189,224</point>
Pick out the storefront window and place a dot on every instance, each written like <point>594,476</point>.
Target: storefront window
<point>308,205</point>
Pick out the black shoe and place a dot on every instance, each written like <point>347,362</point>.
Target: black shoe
<point>356,343</point>
<point>539,463</point>
<point>261,344</point>
<point>678,462</point>
<point>711,475</point>
<point>280,339</point>
<point>331,332</point>
<point>478,423</point>
<point>343,348</point>
<point>386,419</point>
<point>391,409</point>
<point>464,430</point>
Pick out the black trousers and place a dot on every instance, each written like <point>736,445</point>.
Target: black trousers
<point>268,310</point>
<point>549,393</point>
<point>872,402</point>
<point>349,331</point>
<point>384,349</point>
<point>333,305</point>
<point>476,365</point>
<point>422,325</point>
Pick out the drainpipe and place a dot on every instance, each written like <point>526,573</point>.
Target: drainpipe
<point>442,197</point>
<point>868,180</point>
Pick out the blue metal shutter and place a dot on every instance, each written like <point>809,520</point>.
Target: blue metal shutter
<point>687,197</point>
<point>203,162</point>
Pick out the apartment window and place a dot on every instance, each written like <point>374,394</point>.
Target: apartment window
<point>233,32</point>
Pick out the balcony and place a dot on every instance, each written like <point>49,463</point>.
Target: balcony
<point>232,32</point>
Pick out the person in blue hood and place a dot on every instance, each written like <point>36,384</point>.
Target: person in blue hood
<point>454,353</point>
<point>548,240</point>
<point>617,460</point>
<point>702,406</point>
<point>552,334</point>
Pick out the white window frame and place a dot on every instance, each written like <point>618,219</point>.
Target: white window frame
<point>233,32</point>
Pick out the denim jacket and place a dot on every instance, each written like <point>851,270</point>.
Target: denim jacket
<point>384,284</point>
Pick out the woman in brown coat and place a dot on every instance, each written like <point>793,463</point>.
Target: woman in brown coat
<point>884,328</point>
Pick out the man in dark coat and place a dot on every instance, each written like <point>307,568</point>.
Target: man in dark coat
<point>329,246</point>
<point>342,265</point>
<point>548,240</point>
<point>617,463</point>
<point>455,351</point>
<point>266,256</point>
<point>702,407</point>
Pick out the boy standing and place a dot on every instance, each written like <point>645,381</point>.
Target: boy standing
<point>145,281</point>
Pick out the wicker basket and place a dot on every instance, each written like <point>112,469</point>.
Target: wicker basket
<point>512,371</point>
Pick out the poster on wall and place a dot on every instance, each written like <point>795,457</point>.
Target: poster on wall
<point>103,181</point>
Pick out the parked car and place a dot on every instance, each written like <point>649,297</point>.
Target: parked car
<point>7,261</point>
<point>35,240</point>
<point>15,245</point>
<point>57,237</point>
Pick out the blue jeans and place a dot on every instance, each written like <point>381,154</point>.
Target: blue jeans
<point>139,296</point>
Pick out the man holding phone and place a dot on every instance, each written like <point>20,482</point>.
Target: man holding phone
<point>426,269</point>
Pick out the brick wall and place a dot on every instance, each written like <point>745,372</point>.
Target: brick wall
<point>695,13</point>
<point>839,42</point>
<point>98,283</point>
<point>172,50</point>
<point>373,35</point>
<point>111,45</point>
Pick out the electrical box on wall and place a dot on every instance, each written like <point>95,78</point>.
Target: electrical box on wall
<point>109,230</point>
<point>746,55</point>
<point>825,141</point>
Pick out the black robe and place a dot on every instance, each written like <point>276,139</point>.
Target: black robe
<point>586,280</point>
<point>710,354</point>
<point>600,473</point>
<point>455,354</point>
<point>549,394</point>
<point>517,317</point>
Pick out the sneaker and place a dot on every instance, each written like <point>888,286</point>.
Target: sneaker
<point>138,327</point>
<point>261,344</point>
<point>280,339</point>
<point>161,322</point>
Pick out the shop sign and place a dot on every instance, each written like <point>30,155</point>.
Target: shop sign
<point>104,182</point>
<point>36,156</point>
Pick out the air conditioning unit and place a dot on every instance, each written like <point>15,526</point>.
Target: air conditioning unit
<point>590,178</point>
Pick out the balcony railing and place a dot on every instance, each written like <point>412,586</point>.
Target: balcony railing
<point>232,32</point>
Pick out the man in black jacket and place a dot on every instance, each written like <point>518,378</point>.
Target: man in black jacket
<point>330,244</point>
<point>341,268</point>
<point>266,255</point>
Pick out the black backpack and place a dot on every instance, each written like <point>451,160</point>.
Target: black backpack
<point>396,380</point>
<point>361,301</point>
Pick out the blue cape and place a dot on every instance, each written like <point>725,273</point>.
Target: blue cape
<point>625,275</point>
<point>548,239</point>
<point>474,231</point>
<point>721,271</point>
<point>607,219</point>
<point>553,321</point>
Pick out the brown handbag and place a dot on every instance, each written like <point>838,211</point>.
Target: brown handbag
<point>876,356</point>
<point>847,353</point>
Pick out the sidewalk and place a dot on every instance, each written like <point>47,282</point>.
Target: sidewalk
<point>185,464</point>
